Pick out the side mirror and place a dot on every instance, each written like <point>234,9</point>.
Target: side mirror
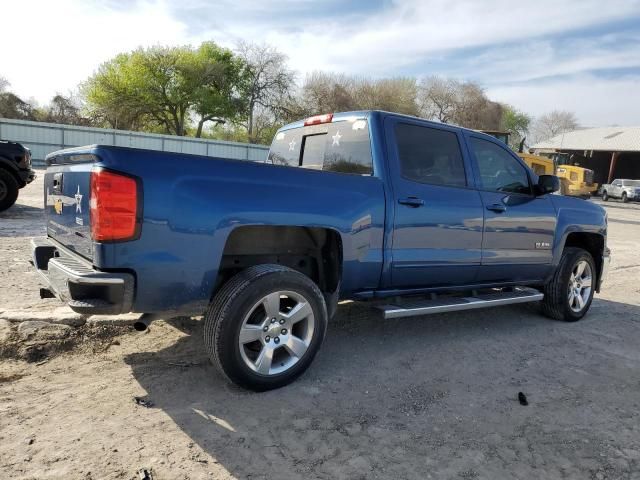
<point>547,184</point>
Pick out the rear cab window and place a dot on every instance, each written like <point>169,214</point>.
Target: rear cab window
<point>342,146</point>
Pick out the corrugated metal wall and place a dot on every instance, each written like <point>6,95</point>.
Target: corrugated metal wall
<point>44,138</point>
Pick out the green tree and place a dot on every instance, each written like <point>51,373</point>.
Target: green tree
<point>515,122</point>
<point>166,88</point>
<point>63,109</point>
<point>12,106</point>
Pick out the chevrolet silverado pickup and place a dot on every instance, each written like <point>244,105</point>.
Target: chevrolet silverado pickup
<point>15,172</point>
<point>413,216</point>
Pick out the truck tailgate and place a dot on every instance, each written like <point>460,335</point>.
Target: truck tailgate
<point>66,190</point>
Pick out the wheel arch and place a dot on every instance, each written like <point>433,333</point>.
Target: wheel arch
<point>592,242</point>
<point>317,252</point>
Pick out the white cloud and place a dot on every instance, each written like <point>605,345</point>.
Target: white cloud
<point>596,101</point>
<point>59,44</point>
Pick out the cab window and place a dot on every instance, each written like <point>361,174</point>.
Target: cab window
<point>499,170</point>
<point>430,155</point>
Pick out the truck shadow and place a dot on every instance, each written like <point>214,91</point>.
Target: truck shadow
<point>378,388</point>
<point>18,211</point>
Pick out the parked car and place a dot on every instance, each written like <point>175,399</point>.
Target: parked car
<point>623,189</point>
<point>414,216</point>
<point>15,172</point>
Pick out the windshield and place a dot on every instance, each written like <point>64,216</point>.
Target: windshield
<point>341,146</point>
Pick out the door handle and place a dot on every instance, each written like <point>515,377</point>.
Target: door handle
<point>497,207</point>
<point>413,202</point>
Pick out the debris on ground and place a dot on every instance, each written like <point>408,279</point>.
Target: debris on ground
<point>144,474</point>
<point>142,402</point>
<point>522,398</point>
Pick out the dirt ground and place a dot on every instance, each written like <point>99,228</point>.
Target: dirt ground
<point>431,397</point>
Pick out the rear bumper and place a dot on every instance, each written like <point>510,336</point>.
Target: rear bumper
<point>75,281</point>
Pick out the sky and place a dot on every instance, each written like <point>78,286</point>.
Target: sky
<point>582,56</point>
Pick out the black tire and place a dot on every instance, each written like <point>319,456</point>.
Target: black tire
<point>235,300</point>
<point>605,196</point>
<point>625,199</point>
<point>556,303</point>
<point>8,190</point>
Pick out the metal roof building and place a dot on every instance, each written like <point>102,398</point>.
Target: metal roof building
<point>611,152</point>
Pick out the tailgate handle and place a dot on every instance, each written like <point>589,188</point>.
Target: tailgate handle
<point>57,182</point>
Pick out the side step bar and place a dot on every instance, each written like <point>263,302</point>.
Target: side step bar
<point>414,308</point>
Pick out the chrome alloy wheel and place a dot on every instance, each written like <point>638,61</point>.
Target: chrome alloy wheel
<point>580,283</point>
<point>276,332</point>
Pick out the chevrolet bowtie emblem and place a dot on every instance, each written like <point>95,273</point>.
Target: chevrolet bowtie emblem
<point>57,206</point>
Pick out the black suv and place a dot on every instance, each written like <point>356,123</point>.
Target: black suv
<point>15,171</point>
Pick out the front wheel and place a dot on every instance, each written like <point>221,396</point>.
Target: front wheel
<point>625,199</point>
<point>569,294</point>
<point>265,326</point>
<point>605,196</point>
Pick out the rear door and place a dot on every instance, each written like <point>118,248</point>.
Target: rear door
<point>66,185</point>
<point>437,235</point>
<point>518,226</point>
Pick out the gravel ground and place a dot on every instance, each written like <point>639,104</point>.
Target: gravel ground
<point>432,397</point>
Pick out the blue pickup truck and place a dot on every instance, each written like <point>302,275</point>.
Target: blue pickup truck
<point>413,216</point>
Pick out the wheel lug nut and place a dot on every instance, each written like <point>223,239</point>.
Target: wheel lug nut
<point>283,331</point>
<point>265,328</point>
<point>282,321</point>
<point>276,340</point>
<point>267,338</point>
<point>273,320</point>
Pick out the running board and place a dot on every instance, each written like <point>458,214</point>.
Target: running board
<point>454,304</point>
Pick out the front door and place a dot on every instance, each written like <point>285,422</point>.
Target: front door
<point>437,236</point>
<point>519,226</point>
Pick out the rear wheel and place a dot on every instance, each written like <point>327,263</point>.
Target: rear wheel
<point>625,199</point>
<point>8,190</point>
<point>265,326</point>
<point>569,294</point>
<point>605,196</point>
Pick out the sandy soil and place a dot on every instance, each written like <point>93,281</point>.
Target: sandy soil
<point>432,397</point>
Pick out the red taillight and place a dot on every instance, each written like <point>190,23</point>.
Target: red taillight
<point>318,119</point>
<point>113,206</point>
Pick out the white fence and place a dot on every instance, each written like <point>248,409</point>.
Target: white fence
<point>44,138</point>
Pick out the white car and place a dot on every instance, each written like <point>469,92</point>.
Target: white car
<point>623,189</point>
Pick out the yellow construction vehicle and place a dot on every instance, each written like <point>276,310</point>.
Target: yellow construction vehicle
<point>539,165</point>
<point>574,181</point>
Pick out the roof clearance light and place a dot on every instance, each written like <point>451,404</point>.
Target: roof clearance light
<point>318,119</point>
